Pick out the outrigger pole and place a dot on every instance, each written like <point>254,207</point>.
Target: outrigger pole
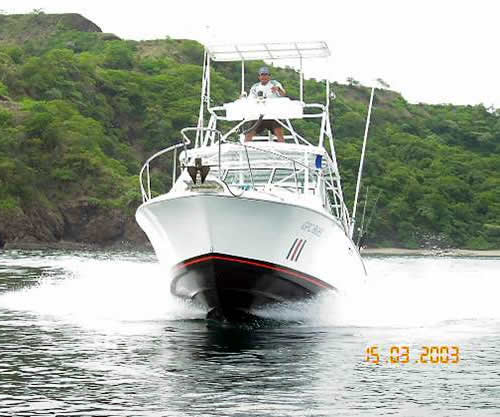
<point>361,162</point>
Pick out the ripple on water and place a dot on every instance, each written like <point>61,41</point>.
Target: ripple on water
<point>100,336</point>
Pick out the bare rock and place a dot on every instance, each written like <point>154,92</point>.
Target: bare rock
<point>75,21</point>
<point>85,221</point>
<point>31,225</point>
<point>19,28</point>
<point>78,222</point>
<point>109,37</point>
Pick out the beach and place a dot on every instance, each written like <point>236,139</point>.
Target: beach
<point>431,252</point>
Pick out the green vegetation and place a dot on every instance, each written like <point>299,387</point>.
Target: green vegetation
<point>79,114</point>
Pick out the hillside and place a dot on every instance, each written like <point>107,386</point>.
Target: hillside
<point>38,27</point>
<point>81,110</point>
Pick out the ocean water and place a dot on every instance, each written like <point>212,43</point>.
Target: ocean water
<point>97,334</point>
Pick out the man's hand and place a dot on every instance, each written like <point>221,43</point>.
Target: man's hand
<point>277,90</point>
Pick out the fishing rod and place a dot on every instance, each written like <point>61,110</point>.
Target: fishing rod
<point>360,229</point>
<point>361,162</point>
<point>363,233</point>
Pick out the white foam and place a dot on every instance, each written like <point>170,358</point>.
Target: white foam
<point>399,292</point>
<point>402,292</point>
<point>89,291</point>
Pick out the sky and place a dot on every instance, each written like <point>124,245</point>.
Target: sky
<point>431,51</point>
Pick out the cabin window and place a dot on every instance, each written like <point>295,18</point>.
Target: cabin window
<point>242,176</point>
<point>287,177</point>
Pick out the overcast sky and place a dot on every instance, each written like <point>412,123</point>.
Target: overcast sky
<point>432,51</point>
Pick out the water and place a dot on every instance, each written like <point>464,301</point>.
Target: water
<point>96,334</point>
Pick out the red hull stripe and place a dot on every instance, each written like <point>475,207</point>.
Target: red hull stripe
<point>303,243</point>
<point>254,263</point>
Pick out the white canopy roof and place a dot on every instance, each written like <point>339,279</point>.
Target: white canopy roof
<point>248,52</point>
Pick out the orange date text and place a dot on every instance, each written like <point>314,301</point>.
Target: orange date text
<point>403,354</point>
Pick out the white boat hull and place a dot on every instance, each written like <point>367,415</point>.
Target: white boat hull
<point>234,254</point>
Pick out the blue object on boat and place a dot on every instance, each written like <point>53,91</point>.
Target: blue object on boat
<point>319,160</point>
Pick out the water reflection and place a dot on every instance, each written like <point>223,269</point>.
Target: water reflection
<point>240,369</point>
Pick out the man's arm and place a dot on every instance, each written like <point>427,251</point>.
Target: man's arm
<point>277,88</point>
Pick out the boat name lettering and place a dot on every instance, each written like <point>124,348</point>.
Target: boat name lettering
<point>312,228</point>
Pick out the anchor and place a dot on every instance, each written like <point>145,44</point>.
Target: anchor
<point>198,167</point>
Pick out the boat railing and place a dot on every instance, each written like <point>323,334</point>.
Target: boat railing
<point>294,181</point>
<point>314,106</point>
<point>250,162</point>
<point>215,109</point>
<point>283,120</point>
<point>247,160</point>
<point>221,162</point>
<point>145,173</point>
<point>146,189</point>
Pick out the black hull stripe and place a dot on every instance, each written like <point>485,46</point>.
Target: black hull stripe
<point>296,250</point>
<point>291,249</point>
<point>261,264</point>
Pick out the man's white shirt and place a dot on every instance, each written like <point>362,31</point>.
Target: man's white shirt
<point>266,89</point>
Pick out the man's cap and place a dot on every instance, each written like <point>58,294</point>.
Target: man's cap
<point>264,70</point>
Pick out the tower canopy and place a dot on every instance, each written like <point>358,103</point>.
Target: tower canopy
<point>269,51</point>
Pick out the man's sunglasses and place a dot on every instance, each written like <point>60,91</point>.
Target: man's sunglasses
<point>264,73</point>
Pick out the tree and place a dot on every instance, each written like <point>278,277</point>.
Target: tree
<point>383,83</point>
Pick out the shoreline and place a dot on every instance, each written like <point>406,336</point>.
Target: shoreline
<point>69,245</point>
<point>129,246</point>
<point>494,253</point>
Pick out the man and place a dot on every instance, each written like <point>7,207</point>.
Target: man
<point>267,88</point>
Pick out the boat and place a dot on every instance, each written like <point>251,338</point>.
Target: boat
<point>251,224</point>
